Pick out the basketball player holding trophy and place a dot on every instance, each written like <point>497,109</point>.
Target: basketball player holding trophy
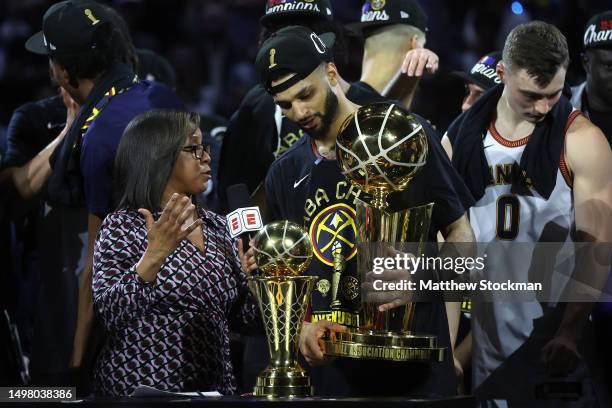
<point>307,185</point>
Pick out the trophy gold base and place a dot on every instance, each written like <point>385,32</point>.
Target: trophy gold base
<point>283,383</point>
<point>282,304</point>
<point>384,346</point>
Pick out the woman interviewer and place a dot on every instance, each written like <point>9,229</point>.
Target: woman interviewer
<point>167,280</point>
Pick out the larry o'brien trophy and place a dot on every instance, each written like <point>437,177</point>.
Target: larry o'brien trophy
<point>380,149</point>
<point>283,251</point>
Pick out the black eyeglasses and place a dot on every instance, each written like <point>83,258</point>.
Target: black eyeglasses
<point>197,150</point>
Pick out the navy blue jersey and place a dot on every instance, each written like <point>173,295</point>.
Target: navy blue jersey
<point>101,139</point>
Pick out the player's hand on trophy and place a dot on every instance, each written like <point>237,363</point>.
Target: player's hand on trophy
<point>388,287</point>
<point>247,259</point>
<point>382,289</point>
<point>312,346</point>
<point>560,355</point>
<point>418,60</point>
<point>177,221</point>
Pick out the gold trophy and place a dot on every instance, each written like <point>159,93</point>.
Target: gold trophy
<point>283,251</point>
<point>381,148</point>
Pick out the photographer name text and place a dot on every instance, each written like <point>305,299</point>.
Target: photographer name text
<point>456,286</point>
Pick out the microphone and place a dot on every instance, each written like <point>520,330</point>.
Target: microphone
<point>244,218</point>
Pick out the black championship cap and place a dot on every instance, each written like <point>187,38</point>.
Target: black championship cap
<point>379,13</point>
<point>483,72</point>
<point>598,31</point>
<point>292,50</point>
<point>68,28</point>
<point>278,9</point>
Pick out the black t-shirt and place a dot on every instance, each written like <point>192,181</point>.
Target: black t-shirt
<point>305,188</point>
<point>362,93</point>
<point>252,141</point>
<point>47,256</point>
<point>32,127</point>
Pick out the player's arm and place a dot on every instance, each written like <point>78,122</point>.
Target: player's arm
<point>461,352</point>
<point>453,315</point>
<point>404,84</point>
<point>448,146</point>
<point>31,177</point>
<point>85,315</point>
<point>459,231</point>
<point>453,312</point>
<point>590,161</point>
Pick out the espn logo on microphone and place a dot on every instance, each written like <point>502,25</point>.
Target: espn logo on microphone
<point>244,220</point>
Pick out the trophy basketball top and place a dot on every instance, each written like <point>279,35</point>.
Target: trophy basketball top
<point>381,148</point>
<point>282,248</point>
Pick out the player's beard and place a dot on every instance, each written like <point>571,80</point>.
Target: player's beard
<point>327,117</point>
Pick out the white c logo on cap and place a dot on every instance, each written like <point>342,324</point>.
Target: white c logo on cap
<point>318,43</point>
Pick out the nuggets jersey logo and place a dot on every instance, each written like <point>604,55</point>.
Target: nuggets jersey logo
<point>329,215</point>
<point>335,223</point>
<point>511,210</point>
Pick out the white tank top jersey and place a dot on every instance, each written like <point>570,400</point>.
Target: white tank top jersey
<point>506,217</point>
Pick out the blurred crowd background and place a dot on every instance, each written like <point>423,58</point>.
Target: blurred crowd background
<point>212,44</point>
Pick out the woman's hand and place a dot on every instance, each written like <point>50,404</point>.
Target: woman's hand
<point>247,259</point>
<point>165,234</point>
